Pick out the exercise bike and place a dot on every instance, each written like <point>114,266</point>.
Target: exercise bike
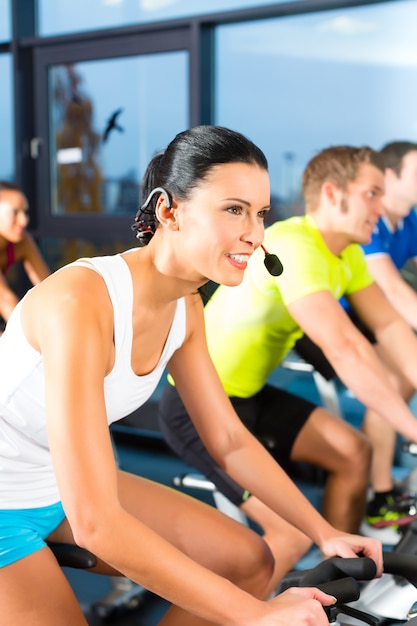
<point>392,599</point>
<point>343,578</point>
<point>350,581</point>
<point>393,594</point>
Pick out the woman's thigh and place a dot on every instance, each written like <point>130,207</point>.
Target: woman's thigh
<point>196,528</point>
<point>35,591</point>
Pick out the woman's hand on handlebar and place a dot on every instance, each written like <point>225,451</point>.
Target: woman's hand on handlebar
<point>299,605</point>
<point>348,546</point>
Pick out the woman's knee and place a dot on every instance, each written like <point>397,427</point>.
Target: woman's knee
<point>253,564</point>
<point>289,547</point>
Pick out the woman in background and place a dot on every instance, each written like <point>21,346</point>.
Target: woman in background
<point>16,245</point>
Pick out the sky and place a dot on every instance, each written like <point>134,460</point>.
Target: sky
<point>60,16</point>
<point>299,84</point>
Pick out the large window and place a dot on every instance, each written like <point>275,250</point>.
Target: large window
<point>59,250</point>
<point>64,16</point>
<point>96,99</point>
<point>7,119</point>
<point>314,80</point>
<point>5,20</point>
<point>107,118</point>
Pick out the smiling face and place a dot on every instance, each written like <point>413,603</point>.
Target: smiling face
<point>222,222</point>
<point>361,205</point>
<point>13,215</point>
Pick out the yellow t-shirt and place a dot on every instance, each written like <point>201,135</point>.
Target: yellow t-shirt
<point>249,327</point>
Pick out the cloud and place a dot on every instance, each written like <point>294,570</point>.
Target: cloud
<point>346,25</point>
<point>370,40</point>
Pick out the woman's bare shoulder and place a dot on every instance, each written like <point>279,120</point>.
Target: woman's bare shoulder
<point>72,296</point>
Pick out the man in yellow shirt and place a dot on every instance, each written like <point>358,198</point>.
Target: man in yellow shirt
<point>251,327</point>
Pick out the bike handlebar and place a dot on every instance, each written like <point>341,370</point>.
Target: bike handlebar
<point>400,564</point>
<point>332,569</point>
<point>360,568</point>
<point>344,590</point>
<point>339,577</point>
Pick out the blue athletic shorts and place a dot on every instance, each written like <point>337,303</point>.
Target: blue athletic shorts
<point>23,531</point>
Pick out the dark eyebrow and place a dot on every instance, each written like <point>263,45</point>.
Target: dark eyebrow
<point>267,206</point>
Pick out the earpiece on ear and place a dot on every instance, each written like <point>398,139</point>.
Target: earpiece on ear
<point>141,226</point>
<point>159,190</point>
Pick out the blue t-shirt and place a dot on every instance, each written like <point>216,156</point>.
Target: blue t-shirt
<point>400,245</point>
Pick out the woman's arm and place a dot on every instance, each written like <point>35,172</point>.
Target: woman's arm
<point>8,298</point>
<point>239,453</point>
<point>69,318</point>
<point>35,266</point>
<point>28,253</point>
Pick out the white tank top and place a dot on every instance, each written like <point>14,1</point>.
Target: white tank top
<point>26,475</point>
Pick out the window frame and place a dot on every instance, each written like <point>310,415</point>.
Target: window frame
<point>32,54</point>
<point>107,48</point>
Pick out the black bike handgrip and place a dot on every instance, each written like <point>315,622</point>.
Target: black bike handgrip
<point>291,579</point>
<point>344,590</point>
<point>360,568</point>
<point>70,555</point>
<point>401,564</point>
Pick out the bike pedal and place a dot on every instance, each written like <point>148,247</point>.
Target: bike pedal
<point>124,598</point>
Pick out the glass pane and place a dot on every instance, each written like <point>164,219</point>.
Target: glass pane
<point>62,16</point>
<point>59,252</point>
<point>5,21</point>
<point>334,77</point>
<point>104,132</point>
<point>6,115</point>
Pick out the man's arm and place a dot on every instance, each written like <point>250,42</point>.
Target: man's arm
<point>237,451</point>
<point>399,293</point>
<point>353,357</point>
<point>396,340</point>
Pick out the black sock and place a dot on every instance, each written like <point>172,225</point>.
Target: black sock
<point>380,498</point>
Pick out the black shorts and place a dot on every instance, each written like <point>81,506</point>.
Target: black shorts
<point>273,415</point>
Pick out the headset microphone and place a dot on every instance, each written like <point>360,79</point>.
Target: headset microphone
<point>272,263</point>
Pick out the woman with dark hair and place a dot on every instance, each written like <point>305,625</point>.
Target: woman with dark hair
<point>16,245</point>
<point>86,347</point>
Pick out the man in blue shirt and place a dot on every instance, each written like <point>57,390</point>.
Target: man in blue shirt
<point>394,241</point>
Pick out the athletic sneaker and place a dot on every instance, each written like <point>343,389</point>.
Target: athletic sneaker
<point>398,510</point>
<point>388,536</point>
